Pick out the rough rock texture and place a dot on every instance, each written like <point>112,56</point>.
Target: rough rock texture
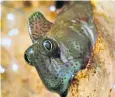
<point>98,78</point>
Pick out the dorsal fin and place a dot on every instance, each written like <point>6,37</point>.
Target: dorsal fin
<point>38,26</point>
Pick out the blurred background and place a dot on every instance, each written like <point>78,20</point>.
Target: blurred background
<point>18,79</point>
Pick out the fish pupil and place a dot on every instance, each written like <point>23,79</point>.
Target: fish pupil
<point>47,45</point>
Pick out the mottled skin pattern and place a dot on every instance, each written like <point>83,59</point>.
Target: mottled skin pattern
<point>38,26</point>
<point>68,47</point>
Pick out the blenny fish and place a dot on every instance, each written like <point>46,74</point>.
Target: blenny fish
<point>63,48</point>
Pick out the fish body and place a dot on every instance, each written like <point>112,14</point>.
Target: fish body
<point>63,48</point>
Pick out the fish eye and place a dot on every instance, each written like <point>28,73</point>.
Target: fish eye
<point>47,44</point>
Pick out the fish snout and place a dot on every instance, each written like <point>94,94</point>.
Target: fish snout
<point>28,56</point>
<point>27,59</point>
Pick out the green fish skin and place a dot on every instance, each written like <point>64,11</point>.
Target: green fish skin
<point>64,48</point>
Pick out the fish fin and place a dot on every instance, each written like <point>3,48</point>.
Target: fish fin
<point>38,26</point>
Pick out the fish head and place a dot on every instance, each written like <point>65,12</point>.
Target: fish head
<point>45,56</point>
<point>59,51</point>
<point>57,61</point>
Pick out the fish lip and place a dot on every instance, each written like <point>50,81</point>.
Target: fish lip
<point>27,59</point>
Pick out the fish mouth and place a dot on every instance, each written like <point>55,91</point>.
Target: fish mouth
<point>27,60</point>
<point>27,57</point>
